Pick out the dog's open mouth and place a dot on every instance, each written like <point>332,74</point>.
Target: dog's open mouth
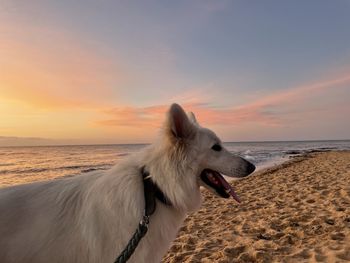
<point>217,182</point>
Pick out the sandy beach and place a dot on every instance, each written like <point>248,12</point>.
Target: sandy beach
<point>296,212</point>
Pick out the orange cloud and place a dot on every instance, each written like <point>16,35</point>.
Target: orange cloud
<point>153,116</point>
<point>258,111</point>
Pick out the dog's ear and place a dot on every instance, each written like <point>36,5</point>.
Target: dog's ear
<point>178,123</point>
<point>192,117</point>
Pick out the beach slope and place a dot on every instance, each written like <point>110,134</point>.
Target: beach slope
<point>296,212</point>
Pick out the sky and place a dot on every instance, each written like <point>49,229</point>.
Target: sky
<point>96,72</point>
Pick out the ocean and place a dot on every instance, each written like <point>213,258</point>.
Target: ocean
<point>27,164</point>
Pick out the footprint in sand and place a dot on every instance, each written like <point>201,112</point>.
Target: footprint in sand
<point>338,236</point>
<point>345,255</point>
<point>234,252</point>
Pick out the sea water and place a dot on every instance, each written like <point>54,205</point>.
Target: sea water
<point>26,164</point>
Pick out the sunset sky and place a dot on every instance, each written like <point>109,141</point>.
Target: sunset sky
<point>86,72</point>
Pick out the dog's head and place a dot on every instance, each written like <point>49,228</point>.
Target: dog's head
<point>199,156</point>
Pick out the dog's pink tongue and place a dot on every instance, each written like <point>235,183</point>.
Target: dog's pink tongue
<point>228,187</point>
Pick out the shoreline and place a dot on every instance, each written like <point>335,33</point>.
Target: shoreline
<point>297,211</point>
<point>292,159</point>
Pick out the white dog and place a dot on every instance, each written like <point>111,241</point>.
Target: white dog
<point>90,218</point>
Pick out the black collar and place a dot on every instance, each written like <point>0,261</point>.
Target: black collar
<point>151,192</point>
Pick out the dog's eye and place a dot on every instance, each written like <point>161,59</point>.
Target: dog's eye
<point>216,147</point>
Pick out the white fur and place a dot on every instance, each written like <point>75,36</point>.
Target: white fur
<point>90,218</point>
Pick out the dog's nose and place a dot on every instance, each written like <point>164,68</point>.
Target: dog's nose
<point>250,168</point>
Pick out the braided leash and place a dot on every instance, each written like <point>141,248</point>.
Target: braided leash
<point>151,192</point>
<point>134,241</point>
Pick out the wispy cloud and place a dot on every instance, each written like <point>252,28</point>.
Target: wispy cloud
<point>207,114</point>
<point>298,94</point>
<point>270,110</point>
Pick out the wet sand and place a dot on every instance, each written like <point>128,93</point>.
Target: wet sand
<point>296,212</point>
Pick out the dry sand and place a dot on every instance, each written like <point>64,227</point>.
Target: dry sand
<point>296,212</point>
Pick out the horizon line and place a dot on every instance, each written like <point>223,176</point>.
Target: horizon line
<point>148,143</point>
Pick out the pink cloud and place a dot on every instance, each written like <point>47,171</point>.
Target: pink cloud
<point>154,115</point>
<point>269,110</point>
<point>297,93</point>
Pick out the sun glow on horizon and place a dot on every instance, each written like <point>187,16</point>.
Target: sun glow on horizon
<point>104,83</point>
